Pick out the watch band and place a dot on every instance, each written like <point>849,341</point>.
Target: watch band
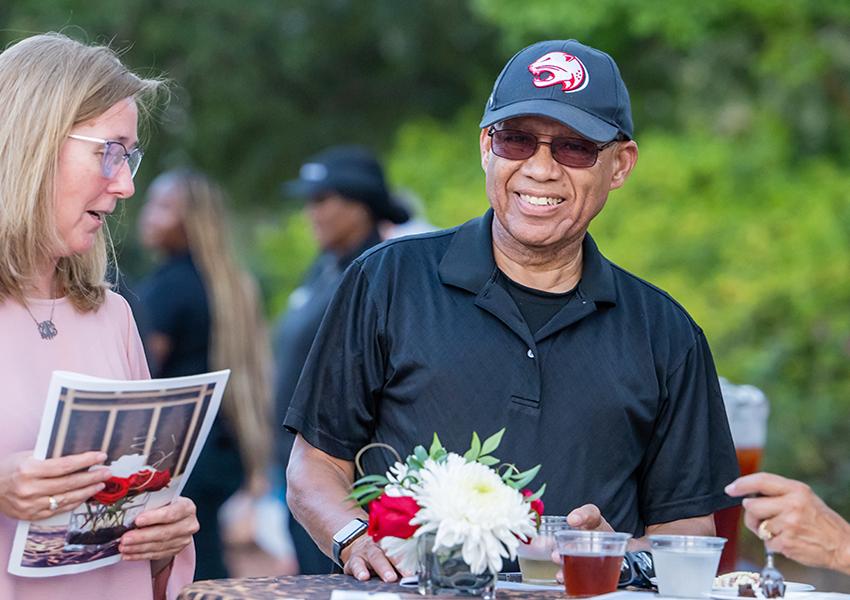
<point>345,536</point>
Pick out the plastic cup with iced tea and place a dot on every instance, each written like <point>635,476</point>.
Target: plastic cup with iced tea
<point>686,564</point>
<point>591,560</point>
<point>747,409</point>
<point>535,557</point>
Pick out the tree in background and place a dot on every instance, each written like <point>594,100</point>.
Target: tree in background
<point>739,206</point>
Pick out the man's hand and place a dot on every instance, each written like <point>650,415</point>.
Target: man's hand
<point>364,557</point>
<point>588,517</point>
<point>27,484</point>
<point>161,533</point>
<point>794,520</point>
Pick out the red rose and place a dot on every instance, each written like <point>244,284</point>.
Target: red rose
<point>535,505</point>
<point>390,516</point>
<point>115,489</point>
<point>149,480</point>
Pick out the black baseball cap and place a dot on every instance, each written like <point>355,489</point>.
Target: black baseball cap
<point>567,81</point>
<point>351,171</point>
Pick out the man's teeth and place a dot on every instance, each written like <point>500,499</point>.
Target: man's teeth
<point>541,200</point>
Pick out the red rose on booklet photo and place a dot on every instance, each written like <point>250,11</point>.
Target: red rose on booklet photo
<point>149,480</point>
<point>390,516</point>
<point>115,489</point>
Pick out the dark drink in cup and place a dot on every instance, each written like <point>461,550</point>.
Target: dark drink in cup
<point>591,575</point>
<point>747,409</point>
<point>728,521</point>
<point>592,560</point>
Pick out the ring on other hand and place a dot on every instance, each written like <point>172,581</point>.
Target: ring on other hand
<point>765,533</point>
<point>52,503</point>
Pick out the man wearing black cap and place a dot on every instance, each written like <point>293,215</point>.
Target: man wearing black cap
<point>516,320</point>
<point>347,198</point>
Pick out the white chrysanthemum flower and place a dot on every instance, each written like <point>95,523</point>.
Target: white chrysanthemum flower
<point>401,551</point>
<point>396,476</point>
<point>468,504</point>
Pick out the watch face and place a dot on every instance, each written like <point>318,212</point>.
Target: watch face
<point>352,528</point>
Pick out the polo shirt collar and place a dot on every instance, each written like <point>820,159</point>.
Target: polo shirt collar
<point>346,259</point>
<point>469,264</point>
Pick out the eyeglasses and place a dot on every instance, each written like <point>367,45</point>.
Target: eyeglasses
<point>515,144</point>
<point>114,155</point>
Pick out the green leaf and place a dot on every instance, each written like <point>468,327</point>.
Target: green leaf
<point>364,494</point>
<point>488,461</point>
<point>436,446</point>
<point>420,454</point>
<point>362,489</point>
<point>520,480</point>
<point>492,442</point>
<point>378,479</point>
<point>474,450</point>
<point>509,471</point>
<point>537,494</point>
<point>366,499</point>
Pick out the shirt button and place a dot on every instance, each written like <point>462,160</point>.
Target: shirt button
<point>530,353</point>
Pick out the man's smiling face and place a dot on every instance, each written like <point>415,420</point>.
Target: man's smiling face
<point>538,202</point>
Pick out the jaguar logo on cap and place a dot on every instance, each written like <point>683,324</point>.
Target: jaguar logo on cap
<point>561,68</point>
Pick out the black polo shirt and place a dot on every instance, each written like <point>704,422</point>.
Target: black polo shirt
<point>616,396</point>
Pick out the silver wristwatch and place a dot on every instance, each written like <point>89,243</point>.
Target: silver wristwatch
<point>345,536</point>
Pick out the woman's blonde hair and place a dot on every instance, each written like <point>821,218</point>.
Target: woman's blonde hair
<point>48,84</point>
<point>239,339</point>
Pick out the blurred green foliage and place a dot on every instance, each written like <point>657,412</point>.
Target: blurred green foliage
<point>739,205</point>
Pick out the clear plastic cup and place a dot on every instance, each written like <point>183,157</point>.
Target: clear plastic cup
<point>591,560</point>
<point>535,557</point>
<point>685,565</point>
<point>747,409</point>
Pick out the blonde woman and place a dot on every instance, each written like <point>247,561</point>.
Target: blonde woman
<point>203,312</point>
<point>68,152</point>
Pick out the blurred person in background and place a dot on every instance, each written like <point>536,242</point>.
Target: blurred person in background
<point>347,198</point>
<point>203,313</point>
<point>417,221</point>
<point>69,149</point>
<point>793,520</point>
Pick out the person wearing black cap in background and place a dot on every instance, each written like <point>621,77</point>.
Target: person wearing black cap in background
<point>515,319</point>
<point>347,197</point>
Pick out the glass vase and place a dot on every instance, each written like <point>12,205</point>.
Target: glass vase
<point>444,572</point>
<point>94,526</point>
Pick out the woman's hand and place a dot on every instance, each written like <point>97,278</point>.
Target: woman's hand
<point>32,489</point>
<point>793,520</point>
<point>160,533</point>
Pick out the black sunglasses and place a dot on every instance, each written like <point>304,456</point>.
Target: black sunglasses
<point>515,144</point>
<point>637,571</point>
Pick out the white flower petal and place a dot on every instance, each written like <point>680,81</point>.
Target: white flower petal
<point>468,504</point>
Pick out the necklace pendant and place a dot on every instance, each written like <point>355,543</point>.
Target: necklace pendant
<point>47,329</point>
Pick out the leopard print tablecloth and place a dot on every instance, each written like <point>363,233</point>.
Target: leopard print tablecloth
<point>317,587</point>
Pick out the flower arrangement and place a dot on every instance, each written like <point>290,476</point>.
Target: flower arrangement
<point>473,501</point>
<point>102,517</point>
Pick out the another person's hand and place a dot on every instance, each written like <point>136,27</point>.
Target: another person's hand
<point>793,520</point>
<point>32,489</point>
<point>364,557</point>
<point>161,533</point>
<point>588,517</point>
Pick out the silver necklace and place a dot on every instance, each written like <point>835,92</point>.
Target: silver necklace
<point>46,329</point>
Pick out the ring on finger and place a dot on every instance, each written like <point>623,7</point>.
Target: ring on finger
<point>52,503</point>
<point>765,533</point>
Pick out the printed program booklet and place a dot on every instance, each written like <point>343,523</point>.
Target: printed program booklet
<point>152,432</point>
